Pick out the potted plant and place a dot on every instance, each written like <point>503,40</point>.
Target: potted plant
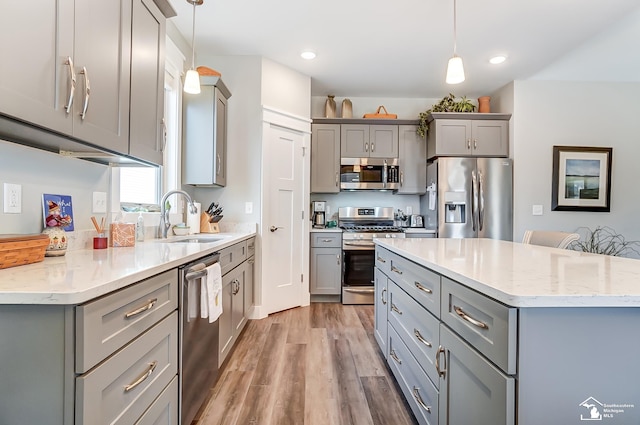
<point>446,104</point>
<point>604,240</point>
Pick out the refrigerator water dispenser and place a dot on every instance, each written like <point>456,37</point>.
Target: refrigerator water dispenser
<point>454,213</point>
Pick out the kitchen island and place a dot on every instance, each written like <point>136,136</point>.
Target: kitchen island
<point>492,332</point>
<point>93,337</point>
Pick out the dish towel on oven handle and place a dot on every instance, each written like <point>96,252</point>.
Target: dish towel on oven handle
<point>211,293</point>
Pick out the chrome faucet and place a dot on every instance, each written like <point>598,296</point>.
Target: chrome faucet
<point>163,229</point>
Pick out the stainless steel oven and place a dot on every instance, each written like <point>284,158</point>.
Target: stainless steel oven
<point>360,226</point>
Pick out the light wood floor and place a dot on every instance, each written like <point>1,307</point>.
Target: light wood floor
<point>315,365</point>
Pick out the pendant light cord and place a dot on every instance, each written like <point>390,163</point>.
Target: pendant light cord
<point>454,29</point>
<point>193,38</point>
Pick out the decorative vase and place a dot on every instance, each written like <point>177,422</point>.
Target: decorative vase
<point>57,242</point>
<point>347,109</point>
<point>483,104</point>
<point>330,107</point>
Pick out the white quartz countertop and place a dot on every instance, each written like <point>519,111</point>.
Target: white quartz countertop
<point>82,275</point>
<point>522,275</point>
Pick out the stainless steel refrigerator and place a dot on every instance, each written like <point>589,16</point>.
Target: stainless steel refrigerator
<point>469,198</point>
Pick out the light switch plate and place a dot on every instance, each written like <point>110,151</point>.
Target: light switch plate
<point>99,202</point>
<point>12,198</point>
<point>248,207</point>
<point>536,210</point>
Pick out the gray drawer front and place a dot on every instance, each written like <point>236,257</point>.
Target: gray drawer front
<point>251,247</point>
<point>490,327</point>
<point>232,256</point>
<point>418,329</point>
<point>163,411</point>
<point>418,390</point>
<point>102,326</point>
<point>419,282</point>
<point>383,260</point>
<point>100,394</point>
<point>326,240</point>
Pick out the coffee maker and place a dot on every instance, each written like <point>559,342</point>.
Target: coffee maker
<point>318,218</point>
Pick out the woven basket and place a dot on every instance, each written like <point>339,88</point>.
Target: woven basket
<point>17,250</point>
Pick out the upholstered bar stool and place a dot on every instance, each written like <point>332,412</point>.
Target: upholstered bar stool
<point>549,238</point>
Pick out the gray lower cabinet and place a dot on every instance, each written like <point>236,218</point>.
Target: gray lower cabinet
<point>325,158</point>
<point>412,161</point>
<point>110,360</point>
<point>249,277</point>
<point>325,264</point>
<point>235,268</point>
<point>381,311</point>
<point>205,134</point>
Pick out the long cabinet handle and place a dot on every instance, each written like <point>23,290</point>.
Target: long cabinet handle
<point>460,312</point>
<point>337,181</point>
<point>338,259</point>
<point>469,144</point>
<point>219,164</point>
<point>382,260</point>
<point>395,269</point>
<point>148,306</point>
<point>163,141</point>
<point>72,84</point>
<point>423,288</point>
<point>87,92</point>
<point>142,378</point>
<point>382,297</point>
<point>395,357</point>
<point>441,372</point>
<point>416,395</point>
<point>373,147</point>
<point>475,144</point>
<point>395,308</point>
<point>421,338</point>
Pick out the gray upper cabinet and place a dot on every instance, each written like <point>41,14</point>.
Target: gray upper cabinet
<point>325,158</point>
<point>146,128</point>
<point>412,160</point>
<point>365,140</point>
<point>205,134</point>
<point>468,134</point>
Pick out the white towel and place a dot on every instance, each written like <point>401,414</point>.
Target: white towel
<point>211,296</point>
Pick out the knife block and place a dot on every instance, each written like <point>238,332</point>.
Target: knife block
<point>206,227</point>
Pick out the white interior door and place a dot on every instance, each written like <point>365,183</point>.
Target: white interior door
<point>282,224</point>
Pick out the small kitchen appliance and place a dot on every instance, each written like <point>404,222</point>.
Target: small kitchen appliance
<point>415,220</point>
<point>318,218</point>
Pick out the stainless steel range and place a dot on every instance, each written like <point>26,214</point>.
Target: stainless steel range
<point>360,226</point>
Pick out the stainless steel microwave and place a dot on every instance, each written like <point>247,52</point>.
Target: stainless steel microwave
<point>369,174</point>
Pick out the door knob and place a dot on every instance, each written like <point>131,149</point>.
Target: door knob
<point>274,228</point>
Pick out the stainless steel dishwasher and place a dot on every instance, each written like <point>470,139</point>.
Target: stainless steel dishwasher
<point>198,341</point>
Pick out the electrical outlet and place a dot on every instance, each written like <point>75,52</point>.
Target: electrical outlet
<point>248,207</point>
<point>99,202</point>
<point>12,198</point>
<point>409,210</point>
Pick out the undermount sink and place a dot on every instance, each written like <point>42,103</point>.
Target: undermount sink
<point>198,239</point>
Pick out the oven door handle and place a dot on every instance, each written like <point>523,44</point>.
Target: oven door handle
<point>360,291</point>
<point>359,244</point>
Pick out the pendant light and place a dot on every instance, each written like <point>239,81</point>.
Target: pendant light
<point>455,69</point>
<point>192,79</point>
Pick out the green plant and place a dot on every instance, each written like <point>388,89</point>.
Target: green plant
<point>446,104</point>
<point>604,240</point>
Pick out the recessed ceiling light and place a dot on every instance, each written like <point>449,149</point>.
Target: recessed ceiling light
<point>497,60</point>
<point>308,54</point>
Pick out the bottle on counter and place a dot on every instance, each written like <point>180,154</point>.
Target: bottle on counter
<point>140,228</point>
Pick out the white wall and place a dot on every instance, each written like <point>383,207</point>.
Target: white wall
<point>550,113</point>
<point>405,108</point>
<point>285,90</point>
<point>41,172</point>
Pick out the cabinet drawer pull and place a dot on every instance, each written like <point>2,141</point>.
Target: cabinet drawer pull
<point>475,143</point>
<point>373,147</point>
<point>87,92</point>
<point>423,288</point>
<point>441,372</point>
<point>382,260</point>
<point>395,269</point>
<point>395,357</point>
<point>338,259</point>
<point>72,84</point>
<point>336,179</point>
<point>394,308</point>
<point>420,338</point>
<point>416,395</point>
<point>327,240</point>
<point>148,306</point>
<point>460,312</point>
<point>382,298</point>
<point>142,378</point>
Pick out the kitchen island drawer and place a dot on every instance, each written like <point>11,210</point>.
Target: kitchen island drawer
<point>383,260</point>
<point>251,247</point>
<point>108,323</point>
<point>418,281</point>
<point>419,329</point>
<point>326,240</point>
<point>122,388</point>
<point>163,411</point>
<point>418,390</point>
<point>232,256</point>
<point>487,325</point>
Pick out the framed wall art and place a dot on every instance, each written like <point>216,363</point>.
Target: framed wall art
<point>581,179</point>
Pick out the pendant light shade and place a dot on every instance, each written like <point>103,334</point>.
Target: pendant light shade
<point>455,69</point>
<point>192,79</point>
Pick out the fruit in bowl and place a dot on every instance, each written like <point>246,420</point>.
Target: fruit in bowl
<point>180,230</point>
